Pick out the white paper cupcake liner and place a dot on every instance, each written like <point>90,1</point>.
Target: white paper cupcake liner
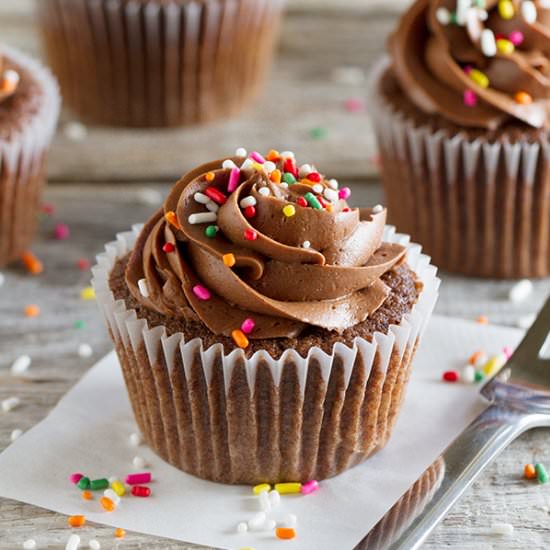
<point>480,207</point>
<point>228,418</point>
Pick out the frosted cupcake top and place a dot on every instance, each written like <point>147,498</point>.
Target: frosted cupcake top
<point>478,63</point>
<point>257,247</point>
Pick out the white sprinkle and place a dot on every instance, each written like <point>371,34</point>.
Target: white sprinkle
<point>525,321</point>
<point>468,374</point>
<point>443,16</point>
<point>378,209</point>
<point>94,545</point>
<point>488,43</point>
<point>330,194</point>
<point>16,434</point>
<point>521,291</point>
<point>529,11</point>
<point>2,279</point>
<point>21,364</point>
<point>274,498</point>
<point>241,152</point>
<point>284,184</point>
<point>228,164</point>
<point>305,170</point>
<point>317,188</point>
<point>289,520</point>
<point>306,244</point>
<point>481,360</point>
<point>256,522</point>
<point>288,155</point>
<point>143,288</point>
<point>75,131</point>
<point>265,504</point>
<point>29,544</point>
<point>85,350</point>
<point>269,166</point>
<point>264,191</point>
<point>248,201</point>
<point>503,529</point>
<point>112,479</point>
<point>109,493</point>
<point>149,196</point>
<point>462,8</point>
<point>134,439</point>
<point>10,403</point>
<point>269,525</point>
<point>138,463</point>
<point>201,198</point>
<point>12,77</point>
<point>482,14</point>
<point>247,164</point>
<point>242,528</point>
<point>202,217</point>
<point>212,206</point>
<point>73,543</point>
<point>349,75</point>
<point>333,184</point>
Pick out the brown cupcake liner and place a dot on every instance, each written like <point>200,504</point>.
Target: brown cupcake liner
<point>23,162</point>
<point>231,419</point>
<point>151,63</point>
<point>480,208</point>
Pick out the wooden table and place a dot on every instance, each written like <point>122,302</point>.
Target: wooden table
<point>114,178</point>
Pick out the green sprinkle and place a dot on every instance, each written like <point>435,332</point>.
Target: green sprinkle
<point>80,324</point>
<point>542,475</point>
<point>454,18</point>
<point>479,376</point>
<point>312,201</point>
<point>289,178</point>
<point>98,484</point>
<point>211,231</point>
<point>319,133</point>
<point>83,483</point>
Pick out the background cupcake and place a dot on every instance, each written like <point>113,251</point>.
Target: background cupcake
<point>29,108</point>
<point>156,63</point>
<point>265,329</point>
<point>461,111</point>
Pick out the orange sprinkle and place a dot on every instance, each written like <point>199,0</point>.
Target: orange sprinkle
<point>285,533</point>
<point>273,155</point>
<point>77,521</point>
<point>482,320</point>
<point>32,263</point>
<point>529,472</point>
<point>275,176</point>
<point>329,208</point>
<point>229,260</point>
<point>210,177</point>
<point>523,98</point>
<point>87,495</point>
<point>240,339</point>
<point>474,358</point>
<point>120,533</point>
<point>32,310</point>
<point>107,503</point>
<point>172,219</point>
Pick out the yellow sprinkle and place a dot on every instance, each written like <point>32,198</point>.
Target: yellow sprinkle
<point>506,9</point>
<point>262,488</point>
<point>229,260</point>
<point>258,167</point>
<point>494,364</point>
<point>505,46</point>
<point>288,488</point>
<point>479,78</point>
<point>240,339</point>
<point>118,488</point>
<point>87,294</point>
<point>210,176</point>
<point>289,210</point>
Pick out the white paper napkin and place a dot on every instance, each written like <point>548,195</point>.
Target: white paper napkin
<point>88,432</point>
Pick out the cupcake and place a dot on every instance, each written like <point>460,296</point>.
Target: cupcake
<point>29,108</point>
<point>461,110</point>
<point>265,329</point>
<point>154,63</point>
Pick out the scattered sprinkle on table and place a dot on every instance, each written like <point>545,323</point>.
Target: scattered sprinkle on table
<point>85,351</point>
<point>75,131</point>
<point>20,365</point>
<point>32,264</point>
<point>79,324</point>
<point>120,533</point>
<point>502,529</point>
<point>354,105</point>
<point>319,133</point>
<point>521,291</point>
<point>62,232</point>
<point>2,279</point>
<point>29,544</point>
<point>482,320</point>
<point>529,472</point>
<point>16,434</point>
<point>83,264</point>
<point>87,294</point>
<point>134,439</point>
<point>10,403</point>
<point>73,543</point>
<point>138,463</point>
<point>94,545</point>
<point>542,475</point>
<point>76,521</point>
<point>32,310</point>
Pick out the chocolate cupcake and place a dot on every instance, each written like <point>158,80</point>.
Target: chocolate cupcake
<point>159,63</point>
<point>461,110</point>
<point>29,108</point>
<point>265,329</point>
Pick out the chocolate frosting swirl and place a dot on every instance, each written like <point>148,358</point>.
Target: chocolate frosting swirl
<point>317,266</point>
<point>9,80</point>
<point>478,63</point>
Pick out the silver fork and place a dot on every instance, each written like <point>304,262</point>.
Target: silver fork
<point>520,400</point>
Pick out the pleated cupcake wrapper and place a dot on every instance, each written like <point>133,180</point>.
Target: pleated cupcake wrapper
<point>153,63</point>
<point>22,162</point>
<point>479,208</point>
<point>227,418</point>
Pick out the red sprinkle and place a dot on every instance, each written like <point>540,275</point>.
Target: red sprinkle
<point>450,376</point>
<point>323,202</point>
<point>249,212</point>
<point>290,166</point>
<point>250,235</point>
<point>300,201</point>
<point>215,195</point>
<point>83,264</point>
<point>346,209</point>
<point>168,247</point>
<point>141,491</point>
<point>48,208</point>
<point>315,177</point>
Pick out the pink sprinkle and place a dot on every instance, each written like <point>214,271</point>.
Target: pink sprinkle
<point>309,487</point>
<point>61,231</point>
<point>248,326</point>
<point>508,351</point>
<point>138,479</point>
<point>516,38</point>
<point>257,157</point>
<point>201,292</point>
<point>470,98</point>
<point>468,69</point>
<point>344,193</point>
<point>234,179</point>
<point>354,105</point>
<point>75,478</point>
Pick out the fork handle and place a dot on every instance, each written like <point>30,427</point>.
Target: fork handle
<point>464,460</point>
